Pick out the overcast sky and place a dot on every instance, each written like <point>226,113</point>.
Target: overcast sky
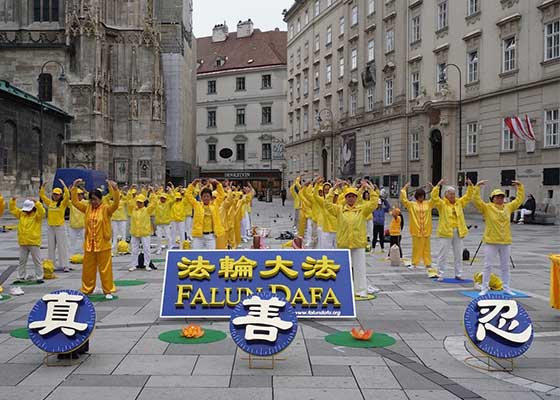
<point>266,14</point>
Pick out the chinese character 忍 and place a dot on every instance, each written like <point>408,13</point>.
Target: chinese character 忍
<point>507,309</point>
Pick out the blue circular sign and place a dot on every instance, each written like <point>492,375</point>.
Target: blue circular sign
<point>498,326</point>
<point>263,324</point>
<point>61,321</point>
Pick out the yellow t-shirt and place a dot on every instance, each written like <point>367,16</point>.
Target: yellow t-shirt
<point>207,225</point>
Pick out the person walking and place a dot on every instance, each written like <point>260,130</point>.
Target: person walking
<point>383,208</point>
<point>56,232</point>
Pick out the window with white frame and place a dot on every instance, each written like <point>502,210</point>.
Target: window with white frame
<point>386,148</point>
<point>340,101</point>
<point>415,146</point>
<point>329,35</point>
<point>353,103</point>
<point>316,115</point>
<point>305,119</point>
<point>298,122</point>
<point>306,17</point>
<point>266,115</point>
<point>298,25</point>
<point>472,66</point>
<point>341,67</point>
<point>508,138</point>
<point>371,50</point>
<point>298,56</point>
<point>316,82</point>
<point>552,128</point>
<point>329,73</point>
<point>415,29</point>
<point>367,152</point>
<point>298,86</point>
<point>211,120</point>
<point>370,6</point>
<point>552,40</point>
<point>317,42</point>
<point>306,51</point>
<point>305,83</point>
<point>240,116</point>
<point>414,84</point>
<point>442,15</point>
<point>291,90</point>
<point>389,92</point>
<point>354,14</point>
<point>472,138</point>
<point>291,124</point>
<point>211,152</point>
<point>317,8</point>
<point>291,31</point>
<point>354,59</point>
<point>473,7</point>
<point>370,98</point>
<point>509,61</point>
<point>329,3</point>
<point>389,40</point>
<point>341,26</point>
<point>441,71</point>
<point>266,151</point>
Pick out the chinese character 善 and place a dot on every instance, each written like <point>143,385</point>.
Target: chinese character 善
<point>263,322</point>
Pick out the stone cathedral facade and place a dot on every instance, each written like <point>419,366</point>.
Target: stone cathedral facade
<point>114,87</point>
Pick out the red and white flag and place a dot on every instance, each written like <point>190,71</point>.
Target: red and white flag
<point>515,125</point>
<point>530,130</point>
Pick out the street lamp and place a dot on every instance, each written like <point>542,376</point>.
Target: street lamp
<point>45,95</point>
<point>443,80</point>
<point>330,119</point>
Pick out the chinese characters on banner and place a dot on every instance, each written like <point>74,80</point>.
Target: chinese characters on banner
<point>316,283</point>
<point>498,326</point>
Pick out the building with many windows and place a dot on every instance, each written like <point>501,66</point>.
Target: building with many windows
<point>372,88</point>
<point>241,105</point>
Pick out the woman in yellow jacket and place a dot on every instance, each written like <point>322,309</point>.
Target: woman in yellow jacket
<point>326,221</point>
<point>97,242</point>
<point>56,233</point>
<point>351,230</point>
<point>178,215</point>
<point>452,227</point>
<point>162,219</point>
<point>77,225</point>
<point>30,218</point>
<point>299,222</point>
<point>140,229</point>
<point>119,219</point>
<point>207,224</point>
<point>2,205</point>
<point>497,231</point>
<point>420,215</point>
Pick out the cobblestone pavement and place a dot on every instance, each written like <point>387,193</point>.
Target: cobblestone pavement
<point>127,361</point>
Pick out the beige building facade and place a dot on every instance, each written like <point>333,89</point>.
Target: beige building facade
<point>383,70</point>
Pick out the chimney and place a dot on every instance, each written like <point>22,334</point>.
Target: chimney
<point>244,29</point>
<point>220,33</point>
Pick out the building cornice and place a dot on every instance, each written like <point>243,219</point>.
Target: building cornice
<point>547,3</point>
<point>236,71</point>
<point>472,34</point>
<point>510,18</point>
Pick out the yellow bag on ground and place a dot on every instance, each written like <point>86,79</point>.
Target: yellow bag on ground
<point>288,244</point>
<point>495,281</point>
<point>186,245</point>
<point>48,269</point>
<point>77,259</point>
<point>122,247</point>
<point>555,281</point>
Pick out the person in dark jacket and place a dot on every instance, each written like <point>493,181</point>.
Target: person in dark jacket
<point>528,209</point>
<point>283,195</point>
<point>383,207</point>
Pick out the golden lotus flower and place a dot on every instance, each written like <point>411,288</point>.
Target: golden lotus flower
<point>192,331</point>
<point>361,334</point>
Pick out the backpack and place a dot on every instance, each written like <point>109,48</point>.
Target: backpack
<point>395,256</point>
<point>466,255</point>
<point>140,263</point>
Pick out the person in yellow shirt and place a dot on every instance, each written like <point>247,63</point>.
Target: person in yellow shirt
<point>420,214</point>
<point>177,213</point>
<point>326,221</point>
<point>497,231</point>
<point>30,218</point>
<point>56,232</point>
<point>395,228</point>
<point>351,230</point>
<point>97,241</point>
<point>140,229</point>
<point>207,224</point>
<point>77,225</point>
<point>452,228</point>
<point>162,219</point>
<point>2,205</point>
<point>119,219</point>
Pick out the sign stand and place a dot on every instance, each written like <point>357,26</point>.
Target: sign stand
<point>252,359</point>
<point>491,364</point>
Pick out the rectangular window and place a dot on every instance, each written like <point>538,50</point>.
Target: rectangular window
<point>442,11</point>
<point>305,83</point>
<point>473,7</point>
<point>353,103</point>
<point>298,25</point>
<point>37,10</point>
<point>211,152</point>
<point>317,8</point>
<point>329,3</point>
<point>354,59</point>
<point>552,128</point>
<point>472,138</point>
<point>415,146</point>
<point>388,92</point>
<point>441,75</point>
<point>414,84</point>
<point>211,87</point>
<point>389,40</point>
<point>509,62</point>
<point>298,56</point>
<point>317,83</point>
<point>240,83</point>
<point>340,102</point>
<point>45,10</point>
<point>306,51</point>
<point>298,87</point>
<point>370,6</point>
<point>371,50</point>
<point>266,115</point>
<point>329,74</point>
<point>266,81</point>
<point>240,151</point>
<point>291,31</point>
<point>415,29</point>
<point>329,36</point>
<point>386,148</point>
<point>367,152</point>
<point>317,42</point>
<point>341,67</point>
<point>370,98</point>
<point>211,118</point>
<point>267,151</point>
<point>341,26</point>
<point>240,116</point>
<point>508,138</point>
<point>305,119</point>
<point>354,19</point>
<point>472,66</point>
<point>552,40</point>
<point>291,90</point>
<point>306,17</point>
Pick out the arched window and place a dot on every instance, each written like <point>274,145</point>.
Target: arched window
<point>45,10</point>
<point>8,148</point>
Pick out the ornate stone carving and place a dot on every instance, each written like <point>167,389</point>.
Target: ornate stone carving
<point>508,3</point>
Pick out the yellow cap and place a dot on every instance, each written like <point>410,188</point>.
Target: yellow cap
<point>178,196</point>
<point>57,191</point>
<point>80,191</point>
<point>132,190</point>
<point>162,196</point>
<point>351,190</point>
<point>497,192</point>
<point>140,198</point>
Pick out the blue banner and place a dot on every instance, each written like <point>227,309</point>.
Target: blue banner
<point>210,284</point>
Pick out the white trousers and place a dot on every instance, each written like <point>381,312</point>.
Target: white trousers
<point>24,252</point>
<point>454,244</point>
<point>163,231</point>
<point>245,226</point>
<point>308,237</point>
<point>135,242</point>
<point>58,239</point>
<point>320,244</point>
<point>119,232</point>
<point>205,242</point>
<point>177,231</point>
<point>328,240</point>
<point>358,260</point>
<point>491,251</point>
<point>188,226</point>
<point>76,240</point>
<point>369,229</point>
<point>523,212</point>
